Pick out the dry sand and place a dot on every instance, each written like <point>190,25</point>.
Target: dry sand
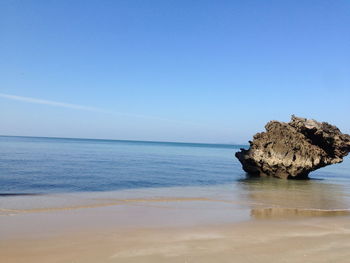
<point>321,240</point>
<point>172,230</point>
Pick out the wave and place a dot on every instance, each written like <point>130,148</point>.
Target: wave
<point>18,194</point>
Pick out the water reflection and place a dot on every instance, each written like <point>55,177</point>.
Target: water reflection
<point>276,198</point>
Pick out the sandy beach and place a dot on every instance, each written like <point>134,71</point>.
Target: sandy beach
<point>174,131</point>
<point>287,241</point>
<point>168,229</point>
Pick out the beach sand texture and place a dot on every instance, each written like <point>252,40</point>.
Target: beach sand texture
<point>172,230</point>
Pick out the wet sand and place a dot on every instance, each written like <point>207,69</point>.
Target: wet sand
<point>195,225</point>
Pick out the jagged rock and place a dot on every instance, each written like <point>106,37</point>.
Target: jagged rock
<point>294,149</point>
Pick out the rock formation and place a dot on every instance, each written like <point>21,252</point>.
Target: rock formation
<point>292,150</point>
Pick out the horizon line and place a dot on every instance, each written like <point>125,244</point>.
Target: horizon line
<point>123,140</point>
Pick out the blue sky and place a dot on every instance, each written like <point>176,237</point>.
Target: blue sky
<point>201,71</point>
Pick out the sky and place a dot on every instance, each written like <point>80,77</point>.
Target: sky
<point>171,70</point>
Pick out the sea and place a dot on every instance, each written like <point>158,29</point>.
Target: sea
<point>38,166</point>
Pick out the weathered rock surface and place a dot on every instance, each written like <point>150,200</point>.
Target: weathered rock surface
<point>294,149</point>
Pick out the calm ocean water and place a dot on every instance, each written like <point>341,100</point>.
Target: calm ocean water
<point>48,165</point>
<point>57,165</point>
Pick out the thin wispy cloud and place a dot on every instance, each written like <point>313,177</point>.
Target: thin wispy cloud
<point>84,108</point>
<point>50,102</point>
